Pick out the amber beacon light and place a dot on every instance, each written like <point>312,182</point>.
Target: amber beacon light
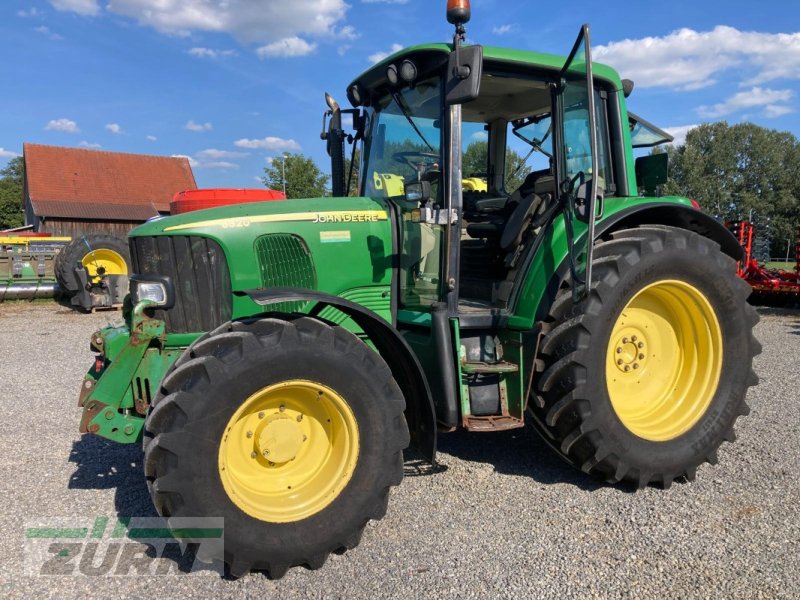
<point>458,12</point>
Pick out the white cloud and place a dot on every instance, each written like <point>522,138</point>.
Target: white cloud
<point>479,136</point>
<point>32,12</point>
<point>250,21</point>
<point>342,50</point>
<point>46,31</point>
<point>65,125</point>
<point>151,138</point>
<point>290,47</point>
<point>679,133</point>
<point>210,53</point>
<point>114,128</point>
<point>214,154</point>
<point>268,143</point>
<point>689,60</point>
<point>504,29</point>
<point>379,56</point>
<point>220,164</point>
<point>756,97</point>
<point>86,144</point>
<point>192,126</point>
<point>192,162</point>
<point>773,111</point>
<point>82,7</point>
<point>7,153</point>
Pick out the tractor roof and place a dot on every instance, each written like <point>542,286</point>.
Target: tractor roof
<point>524,58</point>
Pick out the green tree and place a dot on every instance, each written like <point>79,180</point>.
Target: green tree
<point>475,160</point>
<point>740,172</point>
<point>11,183</point>
<point>304,179</point>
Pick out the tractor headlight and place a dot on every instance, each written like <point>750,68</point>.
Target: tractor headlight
<point>158,290</point>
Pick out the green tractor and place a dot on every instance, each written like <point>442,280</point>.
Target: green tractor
<point>279,357</point>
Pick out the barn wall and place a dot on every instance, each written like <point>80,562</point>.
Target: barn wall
<point>76,228</point>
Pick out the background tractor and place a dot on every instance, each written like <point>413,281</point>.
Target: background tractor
<point>277,358</point>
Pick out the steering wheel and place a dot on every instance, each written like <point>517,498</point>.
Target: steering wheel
<point>423,163</point>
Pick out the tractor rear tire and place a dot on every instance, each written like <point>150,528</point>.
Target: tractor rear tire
<point>643,380</point>
<point>292,431</point>
<point>101,254</point>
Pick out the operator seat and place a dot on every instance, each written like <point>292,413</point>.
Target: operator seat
<point>522,205</point>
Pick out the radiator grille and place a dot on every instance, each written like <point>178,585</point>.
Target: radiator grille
<point>285,261</point>
<point>199,271</point>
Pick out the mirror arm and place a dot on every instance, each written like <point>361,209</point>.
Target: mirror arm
<point>460,71</point>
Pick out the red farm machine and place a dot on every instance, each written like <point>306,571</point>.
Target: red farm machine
<point>774,287</point>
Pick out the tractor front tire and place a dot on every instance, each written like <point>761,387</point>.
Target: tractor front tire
<point>291,430</point>
<point>643,380</point>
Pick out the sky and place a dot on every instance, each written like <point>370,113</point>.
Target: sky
<point>232,84</point>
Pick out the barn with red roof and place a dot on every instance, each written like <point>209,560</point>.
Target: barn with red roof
<point>74,191</point>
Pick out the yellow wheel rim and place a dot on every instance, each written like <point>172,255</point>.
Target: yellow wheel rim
<point>664,360</point>
<point>288,451</point>
<point>103,262</point>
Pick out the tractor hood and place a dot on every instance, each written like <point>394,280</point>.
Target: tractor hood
<point>332,245</point>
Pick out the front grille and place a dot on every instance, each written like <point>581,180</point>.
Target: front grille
<point>199,271</point>
<point>285,261</point>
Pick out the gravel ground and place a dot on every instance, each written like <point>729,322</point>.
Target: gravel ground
<point>504,517</point>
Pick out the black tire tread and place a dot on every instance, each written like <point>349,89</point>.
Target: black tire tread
<point>74,252</point>
<point>559,411</point>
<point>206,359</point>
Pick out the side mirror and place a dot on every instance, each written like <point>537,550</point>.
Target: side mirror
<point>464,69</point>
<point>582,201</point>
<point>418,192</point>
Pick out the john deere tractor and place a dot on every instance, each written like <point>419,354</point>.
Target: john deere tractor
<point>279,357</point>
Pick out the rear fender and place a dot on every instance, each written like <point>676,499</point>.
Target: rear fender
<point>550,263</point>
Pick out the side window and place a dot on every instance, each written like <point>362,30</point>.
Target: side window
<point>474,156</point>
<point>529,148</point>
<point>578,151</point>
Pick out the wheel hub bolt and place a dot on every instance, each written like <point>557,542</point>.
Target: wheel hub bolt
<point>619,350</point>
<point>305,437</point>
<point>619,362</point>
<point>282,408</point>
<point>253,455</point>
<point>640,345</point>
<point>635,365</point>
<point>266,452</point>
<point>627,368</point>
<point>299,418</point>
<point>261,415</point>
<point>633,338</point>
<point>249,434</point>
<point>625,340</point>
<point>271,464</point>
<point>641,357</point>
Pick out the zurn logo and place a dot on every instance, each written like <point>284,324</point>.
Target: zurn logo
<point>127,546</point>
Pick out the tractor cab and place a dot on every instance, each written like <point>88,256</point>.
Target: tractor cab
<point>478,150</point>
<point>480,153</point>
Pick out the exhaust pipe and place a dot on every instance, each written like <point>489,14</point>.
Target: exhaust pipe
<point>28,291</point>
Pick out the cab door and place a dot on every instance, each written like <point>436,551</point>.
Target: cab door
<point>576,147</point>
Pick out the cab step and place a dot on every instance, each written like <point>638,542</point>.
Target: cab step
<point>486,367</point>
<point>492,423</point>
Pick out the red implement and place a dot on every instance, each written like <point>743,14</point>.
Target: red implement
<point>190,200</point>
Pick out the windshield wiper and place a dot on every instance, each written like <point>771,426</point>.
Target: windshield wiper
<point>407,114</point>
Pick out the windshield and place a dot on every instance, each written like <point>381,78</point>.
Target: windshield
<point>404,141</point>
